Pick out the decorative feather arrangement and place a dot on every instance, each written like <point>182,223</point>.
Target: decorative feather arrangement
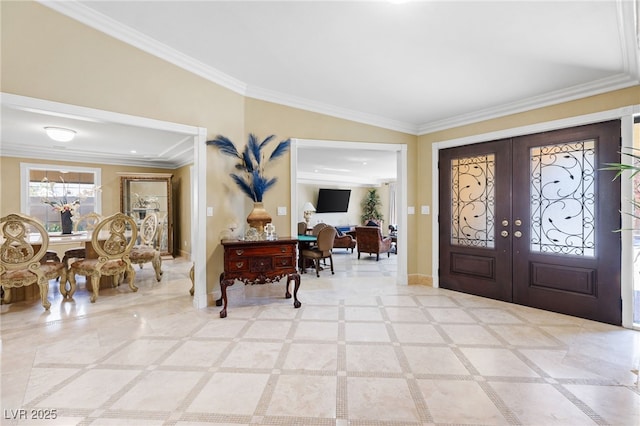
<point>251,163</point>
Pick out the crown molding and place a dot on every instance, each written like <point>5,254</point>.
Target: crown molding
<point>620,81</point>
<point>331,110</point>
<point>628,32</point>
<point>87,157</point>
<point>128,35</point>
<point>629,35</point>
<point>115,29</point>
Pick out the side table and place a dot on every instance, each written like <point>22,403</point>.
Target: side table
<point>259,262</point>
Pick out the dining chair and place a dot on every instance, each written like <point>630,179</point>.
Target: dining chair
<point>146,252</point>
<point>322,250</point>
<point>302,228</point>
<point>317,228</point>
<point>112,240</point>
<point>88,223</point>
<point>23,264</point>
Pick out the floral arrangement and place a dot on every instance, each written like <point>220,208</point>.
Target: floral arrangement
<point>143,201</point>
<point>251,163</point>
<point>62,203</point>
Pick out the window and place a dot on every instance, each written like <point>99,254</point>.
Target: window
<point>58,184</point>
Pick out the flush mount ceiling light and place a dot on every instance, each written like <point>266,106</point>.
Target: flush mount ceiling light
<point>60,134</point>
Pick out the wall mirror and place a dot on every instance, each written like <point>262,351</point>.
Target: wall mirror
<point>150,193</point>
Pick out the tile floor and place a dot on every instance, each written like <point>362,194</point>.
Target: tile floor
<point>360,351</point>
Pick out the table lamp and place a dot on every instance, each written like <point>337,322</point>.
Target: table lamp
<point>308,210</point>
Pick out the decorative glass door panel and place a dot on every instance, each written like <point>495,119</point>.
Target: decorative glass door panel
<point>472,201</point>
<point>562,198</point>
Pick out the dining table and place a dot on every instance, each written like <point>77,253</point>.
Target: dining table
<point>60,243</point>
<point>307,239</point>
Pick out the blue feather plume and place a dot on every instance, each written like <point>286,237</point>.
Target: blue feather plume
<point>280,149</point>
<point>224,145</point>
<point>246,159</point>
<point>244,186</point>
<point>254,148</point>
<point>266,141</point>
<point>259,188</point>
<point>251,180</point>
<point>269,183</point>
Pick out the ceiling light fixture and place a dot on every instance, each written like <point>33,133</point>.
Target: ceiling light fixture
<point>60,134</point>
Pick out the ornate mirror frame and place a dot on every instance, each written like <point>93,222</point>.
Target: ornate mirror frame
<point>144,193</point>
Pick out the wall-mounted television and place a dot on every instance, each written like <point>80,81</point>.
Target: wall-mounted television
<point>333,200</point>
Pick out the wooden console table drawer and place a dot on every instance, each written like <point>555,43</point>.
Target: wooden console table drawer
<point>267,251</point>
<point>259,262</point>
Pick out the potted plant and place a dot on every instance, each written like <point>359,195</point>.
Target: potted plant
<point>250,176</point>
<point>634,170</point>
<point>370,207</point>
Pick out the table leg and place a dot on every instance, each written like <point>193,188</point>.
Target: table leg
<point>223,298</point>
<point>296,279</point>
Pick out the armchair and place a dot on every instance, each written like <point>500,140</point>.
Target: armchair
<point>345,241</point>
<point>112,241</point>
<point>370,241</point>
<point>88,223</point>
<point>23,264</point>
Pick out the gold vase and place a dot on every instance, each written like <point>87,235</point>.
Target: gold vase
<point>258,217</point>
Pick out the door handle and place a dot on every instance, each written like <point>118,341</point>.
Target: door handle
<point>517,234</point>
<point>504,234</point>
<point>517,222</point>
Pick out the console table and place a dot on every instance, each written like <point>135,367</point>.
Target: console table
<point>259,262</point>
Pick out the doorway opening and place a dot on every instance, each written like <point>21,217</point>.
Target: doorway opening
<point>394,153</point>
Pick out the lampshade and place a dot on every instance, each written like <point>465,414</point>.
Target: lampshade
<point>308,207</point>
<point>60,134</point>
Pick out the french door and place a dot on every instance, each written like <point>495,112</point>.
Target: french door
<point>532,220</point>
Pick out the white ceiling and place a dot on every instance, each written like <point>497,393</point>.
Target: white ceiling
<point>415,67</point>
<point>98,139</point>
